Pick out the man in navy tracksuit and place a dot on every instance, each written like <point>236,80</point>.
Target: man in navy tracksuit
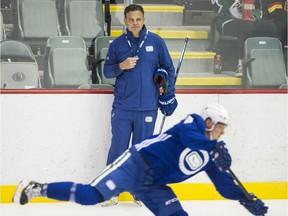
<point>133,58</point>
<point>190,147</point>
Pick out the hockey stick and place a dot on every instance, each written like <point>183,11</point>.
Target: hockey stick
<point>241,186</point>
<point>176,76</point>
<point>108,17</point>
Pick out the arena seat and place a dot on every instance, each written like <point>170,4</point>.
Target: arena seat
<point>83,18</point>
<point>2,29</point>
<point>268,69</point>
<point>101,45</point>
<point>19,69</point>
<point>66,63</point>
<point>35,21</point>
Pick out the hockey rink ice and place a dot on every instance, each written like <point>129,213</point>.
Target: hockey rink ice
<point>194,208</point>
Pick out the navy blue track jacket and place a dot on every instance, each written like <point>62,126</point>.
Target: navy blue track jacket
<point>135,88</point>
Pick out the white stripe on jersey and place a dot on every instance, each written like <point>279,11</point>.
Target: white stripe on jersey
<point>111,167</point>
<point>148,142</point>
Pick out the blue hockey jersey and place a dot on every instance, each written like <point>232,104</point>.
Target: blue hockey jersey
<point>182,152</point>
<point>135,89</point>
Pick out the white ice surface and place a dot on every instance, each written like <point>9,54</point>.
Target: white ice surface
<point>194,208</point>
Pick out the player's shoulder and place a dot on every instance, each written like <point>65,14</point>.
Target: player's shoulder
<point>190,118</point>
<point>194,122</point>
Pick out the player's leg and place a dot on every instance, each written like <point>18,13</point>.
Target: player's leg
<point>121,124</point>
<point>62,191</point>
<point>125,173</point>
<point>144,124</point>
<point>264,28</point>
<point>161,200</point>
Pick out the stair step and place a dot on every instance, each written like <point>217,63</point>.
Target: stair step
<point>171,34</point>
<point>166,15</point>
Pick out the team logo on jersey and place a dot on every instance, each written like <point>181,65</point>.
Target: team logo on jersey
<point>149,49</point>
<point>191,162</point>
<point>236,9</point>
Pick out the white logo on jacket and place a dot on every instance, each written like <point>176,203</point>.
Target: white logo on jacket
<point>149,49</point>
<point>148,119</point>
<point>194,161</point>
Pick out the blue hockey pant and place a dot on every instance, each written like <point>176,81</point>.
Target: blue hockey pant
<point>130,173</point>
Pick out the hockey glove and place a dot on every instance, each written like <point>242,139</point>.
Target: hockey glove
<point>222,158</point>
<point>167,104</point>
<point>160,76</point>
<point>255,206</point>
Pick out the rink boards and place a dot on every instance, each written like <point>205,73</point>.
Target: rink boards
<point>64,135</point>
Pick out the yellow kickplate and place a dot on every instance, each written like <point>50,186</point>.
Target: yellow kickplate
<point>184,191</point>
<point>152,8</point>
<point>208,81</point>
<point>193,55</point>
<point>171,34</point>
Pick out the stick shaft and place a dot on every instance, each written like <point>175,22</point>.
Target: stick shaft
<point>181,58</point>
<point>176,76</point>
<point>241,186</point>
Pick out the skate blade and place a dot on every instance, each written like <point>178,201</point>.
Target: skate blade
<point>137,202</point>
<point>17,195</point>
<point>110,202</point>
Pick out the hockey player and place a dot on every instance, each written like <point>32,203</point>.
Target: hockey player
<point>145,169</point>
<point>133,59</point>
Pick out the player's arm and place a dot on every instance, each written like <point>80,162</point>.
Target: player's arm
<point>225,184</point>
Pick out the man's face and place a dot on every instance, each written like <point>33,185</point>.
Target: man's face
<point>134,22</point>
<point>218,131</point>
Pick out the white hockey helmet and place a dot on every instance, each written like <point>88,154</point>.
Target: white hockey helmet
<point>217,113</point>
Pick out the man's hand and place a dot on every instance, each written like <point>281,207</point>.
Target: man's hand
<point>129,63</point>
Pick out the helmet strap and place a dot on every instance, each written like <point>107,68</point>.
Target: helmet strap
<point>210,131</point>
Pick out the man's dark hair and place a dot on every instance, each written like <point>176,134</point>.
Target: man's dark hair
<point>133,7</point>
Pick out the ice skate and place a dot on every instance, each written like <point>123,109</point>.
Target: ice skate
<point>110,202</point>
<point>136,201</point>
<point>26,191</point>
